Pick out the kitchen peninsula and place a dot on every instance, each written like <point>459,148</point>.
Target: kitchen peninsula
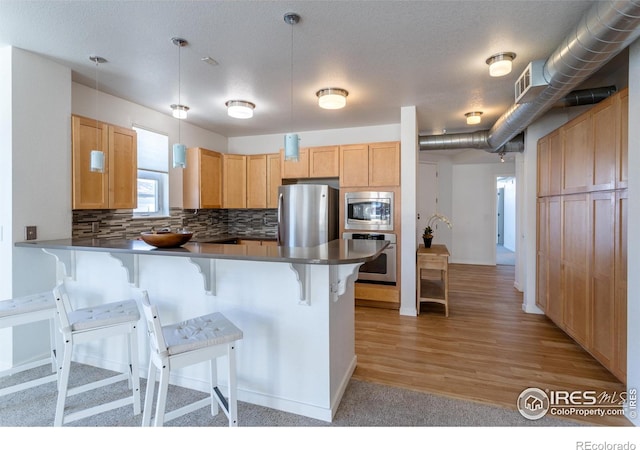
<point>295,306</point>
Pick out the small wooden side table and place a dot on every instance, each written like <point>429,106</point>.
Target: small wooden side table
<point>432,276</point>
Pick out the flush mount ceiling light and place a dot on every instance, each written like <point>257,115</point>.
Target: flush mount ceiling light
<point>240,109</point>
<point>180,111</point>
<point>474,117</point>
<point>500,63</point>
<point>332,98</point>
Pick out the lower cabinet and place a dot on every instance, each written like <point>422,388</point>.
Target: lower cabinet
<point>582,271</point>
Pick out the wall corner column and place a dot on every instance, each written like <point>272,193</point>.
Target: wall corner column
<point>408,177</point>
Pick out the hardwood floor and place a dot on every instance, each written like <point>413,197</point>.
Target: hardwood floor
<point>487,351</point>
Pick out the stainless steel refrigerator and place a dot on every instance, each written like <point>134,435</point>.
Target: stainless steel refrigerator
<point>307,215</point>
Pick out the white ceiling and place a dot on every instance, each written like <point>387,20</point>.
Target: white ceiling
<point>387,54</point>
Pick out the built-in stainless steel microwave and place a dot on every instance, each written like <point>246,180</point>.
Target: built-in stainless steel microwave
<point>368,211</point>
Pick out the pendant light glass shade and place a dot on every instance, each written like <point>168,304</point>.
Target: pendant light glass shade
<point>291,147</point>
<point>97,161</point>
<point>179,156</point>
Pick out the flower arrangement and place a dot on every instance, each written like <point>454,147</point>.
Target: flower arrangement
<point>428,231</point>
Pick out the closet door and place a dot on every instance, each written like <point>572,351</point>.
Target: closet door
<point>555,297</point>
<point>575,265</point>
<point>602,277</point>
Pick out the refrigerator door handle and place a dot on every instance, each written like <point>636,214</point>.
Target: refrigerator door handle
<point>280,197</point>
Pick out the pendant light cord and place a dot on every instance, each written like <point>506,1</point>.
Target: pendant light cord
<point>179,92</point>
<point>291,80</point>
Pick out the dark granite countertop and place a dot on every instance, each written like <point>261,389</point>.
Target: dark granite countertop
<point>339,251</point>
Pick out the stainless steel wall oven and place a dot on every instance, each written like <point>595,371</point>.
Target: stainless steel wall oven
<point>381,270</point>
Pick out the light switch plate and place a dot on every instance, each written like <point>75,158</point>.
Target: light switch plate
<point>31,232</point>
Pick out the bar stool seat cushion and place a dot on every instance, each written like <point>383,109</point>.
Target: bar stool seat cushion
<point>104,315</point>
<point>204,331</point>
<point>27,304</point>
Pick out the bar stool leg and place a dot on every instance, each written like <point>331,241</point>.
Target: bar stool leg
<point>213,382</point>
<point>232,388</point>
<point>148,399</point>
<point>134,367</point>
<point>65,369</point>
<point>162,396</point>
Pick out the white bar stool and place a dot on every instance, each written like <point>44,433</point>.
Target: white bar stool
<point>90,324</point>
<point>196,340</point>
<point>23,310</point>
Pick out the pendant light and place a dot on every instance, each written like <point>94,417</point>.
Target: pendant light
<point>179,112</point>
<point>96,157</point>
<point>291,140</point>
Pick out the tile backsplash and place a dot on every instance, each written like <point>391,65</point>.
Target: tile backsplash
<point>120,223</point>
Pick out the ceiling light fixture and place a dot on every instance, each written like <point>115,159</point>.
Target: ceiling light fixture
<point>332,98</point>
<point>473,117</point>
<point>240,109</point>
<point>291,140</point>
<point>96,157</point>
<point>179,112</point>
<point>500,63</point>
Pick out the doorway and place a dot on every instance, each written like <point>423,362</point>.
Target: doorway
<point>506,221</point>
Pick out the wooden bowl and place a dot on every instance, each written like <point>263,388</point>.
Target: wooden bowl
<point>166,239</point>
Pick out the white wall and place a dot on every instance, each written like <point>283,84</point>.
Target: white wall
<point>633,246</point>
<point>121,112</point>
<point>272,143</point>
<point>474,211</point>
<point>37,147</point>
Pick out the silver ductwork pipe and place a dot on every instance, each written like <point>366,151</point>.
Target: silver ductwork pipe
<point>604,31</point>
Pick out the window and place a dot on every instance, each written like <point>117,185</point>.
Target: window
<point>153,174</point>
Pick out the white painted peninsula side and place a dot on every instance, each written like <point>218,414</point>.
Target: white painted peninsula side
<point>294,305</point>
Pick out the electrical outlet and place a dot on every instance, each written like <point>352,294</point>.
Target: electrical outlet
<point>31,232</point>
<point>95,227</point>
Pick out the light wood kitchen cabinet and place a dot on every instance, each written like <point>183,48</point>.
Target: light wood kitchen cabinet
<point>575,265</point>
<point>314,162</point>
<point>324,162</point>
<point>265,243</point>
<point>550,164</point>
<point>605,121</point>
<point>202,179</point>
<point>263,180</point>
<point>295,169</point>
<point>622,163</point>
<point>577,156</point>
<point>602,277</point>
<point>376,164</point>
<point>582,233</point>
<point>116,187</point>
<point>234,181</point>
<point>274,179</point>
<point>619,366</point>
<point>256,181</point>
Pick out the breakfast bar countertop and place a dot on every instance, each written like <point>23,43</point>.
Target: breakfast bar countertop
<point>338,251</point>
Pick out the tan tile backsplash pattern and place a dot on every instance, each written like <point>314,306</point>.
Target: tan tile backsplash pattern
<point>119,223</point>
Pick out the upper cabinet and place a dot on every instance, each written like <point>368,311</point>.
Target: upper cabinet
<point>376,164</point>
<point>263,180</point>
<point>234,181</point>
<point>313,162</point>
<point>202,179</point>
<point>116,187</point>
<point>588,153</point>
